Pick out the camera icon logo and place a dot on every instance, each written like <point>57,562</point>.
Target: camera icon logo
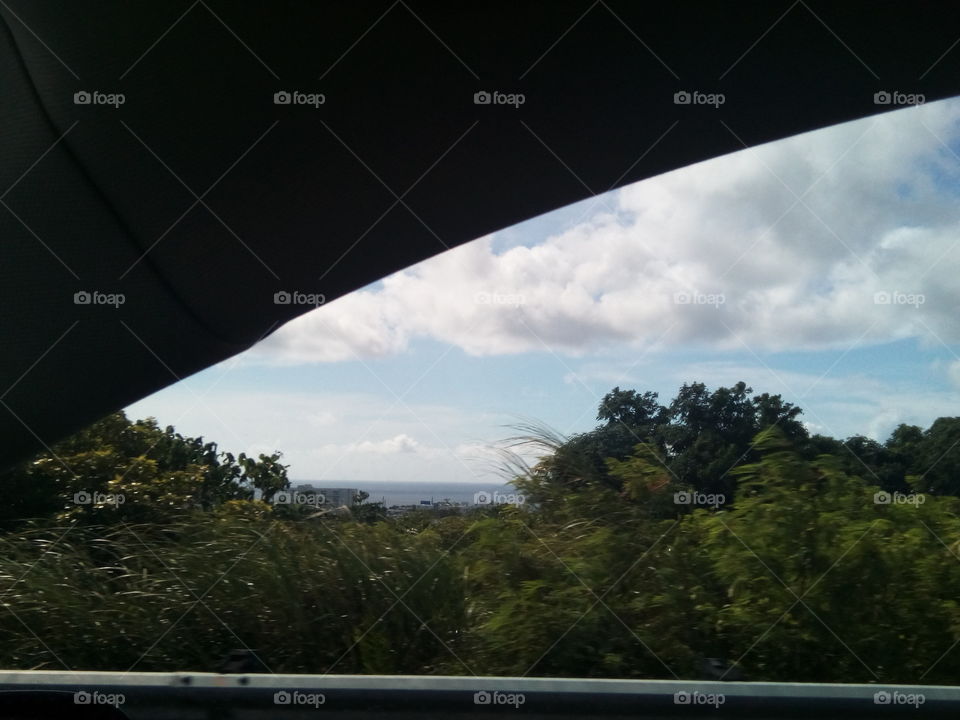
<point>482,498</point>
<point>882,98</point>
<point>81,298</point>
<point>82,698</point>
<point>282,698</point>
<point>82,498</point>
<point>682,98</point>
<point>681,298</point>
<point>282,98</point>
<point>82,98</point>
<point>682,498</point>
<point>482,98</point>
<point>283,498</point>
<point>681,698</point>
<point>281,298</point>
<point>881,698</point>
<point>482,698</point>
<point>881,498</point>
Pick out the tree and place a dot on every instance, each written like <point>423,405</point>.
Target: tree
<point>265,474</point>
<point>699,437</point>
<point>118,470</point>
<point>627,407</point>
<point>709,434</point>
<point>365,512</point>
<point>804,539</point>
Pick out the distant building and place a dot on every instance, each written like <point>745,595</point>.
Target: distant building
<point>324,497</point>
<point>437,508</point>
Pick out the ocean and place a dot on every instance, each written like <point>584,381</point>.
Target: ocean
<point>400,493</point>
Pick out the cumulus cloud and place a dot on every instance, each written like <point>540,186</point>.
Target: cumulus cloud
<point>844,235</point>
<point>401,443</point>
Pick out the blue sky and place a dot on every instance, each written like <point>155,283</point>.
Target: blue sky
<point>821,267</point>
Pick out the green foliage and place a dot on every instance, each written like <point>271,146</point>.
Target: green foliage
<point>823,583</point>
<point>308,597</point>
<point>143,473</point>
<point>810,570</point>
<point>936,457</point>
<point>700,435</point>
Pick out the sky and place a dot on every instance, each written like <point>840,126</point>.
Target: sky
<point>822,267</point>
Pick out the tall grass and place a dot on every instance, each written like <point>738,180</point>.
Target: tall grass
<point>306,597</point>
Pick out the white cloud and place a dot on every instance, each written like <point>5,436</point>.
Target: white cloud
<point>401,443</point>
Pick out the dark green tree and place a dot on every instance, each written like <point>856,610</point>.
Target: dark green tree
<point>157,473</point>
